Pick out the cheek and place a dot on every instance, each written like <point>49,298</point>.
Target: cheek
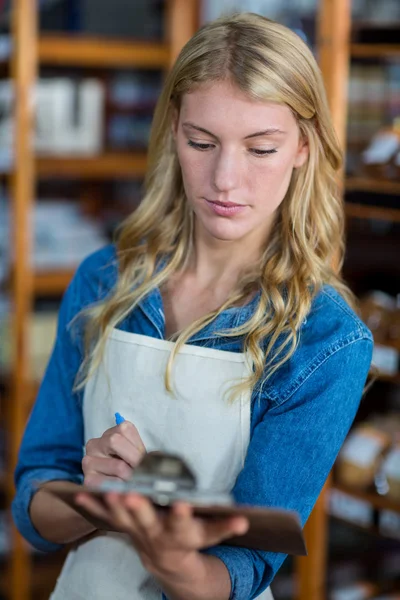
<point>195,168</point>
<point>272,178</point>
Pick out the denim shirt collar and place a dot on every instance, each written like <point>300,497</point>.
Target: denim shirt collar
<point>152,306</point>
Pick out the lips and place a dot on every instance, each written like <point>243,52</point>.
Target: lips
<point>225,209</point>
<point>226,204</point>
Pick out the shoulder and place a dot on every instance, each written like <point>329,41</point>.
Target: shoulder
<point>332,321</point>
<point>96,276</point>
<point>332,328</point>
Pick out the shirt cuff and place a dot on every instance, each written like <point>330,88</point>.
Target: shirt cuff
<point>20,506</point>
<point>240,567</point>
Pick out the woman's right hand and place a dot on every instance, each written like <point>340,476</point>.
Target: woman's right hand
<point>114,455</point>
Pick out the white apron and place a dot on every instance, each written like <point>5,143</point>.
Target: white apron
<point>197,422</point>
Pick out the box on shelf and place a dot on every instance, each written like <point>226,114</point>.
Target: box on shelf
<point>361,456</point>
<point>69,118</point>
<point>389,523</point>
<point>41,334</point>
<point>344,506</point>
<point>63,235</point>
<point>381,313</point>
<point>362,590</point>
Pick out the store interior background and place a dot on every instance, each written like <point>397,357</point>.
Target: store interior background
<point>85,115</point>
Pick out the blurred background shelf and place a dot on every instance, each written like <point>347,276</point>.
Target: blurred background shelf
<point>390,378</point>
<point>120,165</point>
<point>378,502</point>
<point>375,50</point>
<point>363,211</point>
<point>104,53</point>
<point>51,283</point>
<point>380,186</point>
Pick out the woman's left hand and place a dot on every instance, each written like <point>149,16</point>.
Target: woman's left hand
<point>162,540</point>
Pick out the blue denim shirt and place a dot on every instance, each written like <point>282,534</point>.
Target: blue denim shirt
<point>299,418</point>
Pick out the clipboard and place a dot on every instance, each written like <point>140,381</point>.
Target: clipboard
<point>272,530</point>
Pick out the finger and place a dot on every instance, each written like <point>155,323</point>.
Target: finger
<point>116,444</point>
<point>121,515</point>
<point>114,467</point>
<point>130,431</point>
<point>217,531</point>
<point>180,517</point>
<point>144,514</point>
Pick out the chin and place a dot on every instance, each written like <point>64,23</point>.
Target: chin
<point>226,232</point>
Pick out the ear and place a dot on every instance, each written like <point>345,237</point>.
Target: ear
<point>302,153</point>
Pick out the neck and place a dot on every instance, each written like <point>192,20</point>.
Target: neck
<point>220,263</point>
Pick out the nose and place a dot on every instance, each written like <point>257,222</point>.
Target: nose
<point>226,171</point>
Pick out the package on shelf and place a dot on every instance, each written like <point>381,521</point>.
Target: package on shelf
<point>4,238</point>
<point>362,590</point>
<point>129,131</point>
<point>378,158</point>
<point>63,235</point>
<point>370,457</point>
<point>6,125</point>
<point>367,101</point>
<point>135,91</point>
<point>361,456</point>
<point>69,117</point>
<point>389,523</point>
<point>141,19</point>
<point>381,313</point>
<point>3,447</point>
<point>42,327</point>
<point>347,507</point>
<point>4,534</point>
<point>373,110</point>
<point>390,471</point>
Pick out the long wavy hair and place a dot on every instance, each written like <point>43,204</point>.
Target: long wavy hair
<point>268,62</point>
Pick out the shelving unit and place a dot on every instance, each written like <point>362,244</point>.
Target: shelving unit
<point>336,52</point>
<point>31,51</point>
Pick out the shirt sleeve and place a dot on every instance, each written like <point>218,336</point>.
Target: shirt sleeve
<point>52,445</point>
<point>291,453</point>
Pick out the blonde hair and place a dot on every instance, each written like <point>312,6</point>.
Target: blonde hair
<point>268,62</point>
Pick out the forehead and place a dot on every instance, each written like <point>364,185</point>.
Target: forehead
<point>223,103</point>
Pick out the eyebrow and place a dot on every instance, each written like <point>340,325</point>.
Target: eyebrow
<point>269,131</point>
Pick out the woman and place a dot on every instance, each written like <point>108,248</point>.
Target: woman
<point>217,326</point>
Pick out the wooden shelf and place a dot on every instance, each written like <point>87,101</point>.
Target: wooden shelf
<point>112,164</point>
<point>45,571</point>
<point>375,50</point>
<point>378,502</point>
<point>365,184</point>
<point>390,378</point>
<point>49,283</point>
<point>363,211</point>
<point>100,52</point>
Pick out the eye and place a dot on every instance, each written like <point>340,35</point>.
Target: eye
<point>198,146</point>
<point>258,152</point>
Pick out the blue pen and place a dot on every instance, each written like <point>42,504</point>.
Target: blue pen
<point>119,419</point>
